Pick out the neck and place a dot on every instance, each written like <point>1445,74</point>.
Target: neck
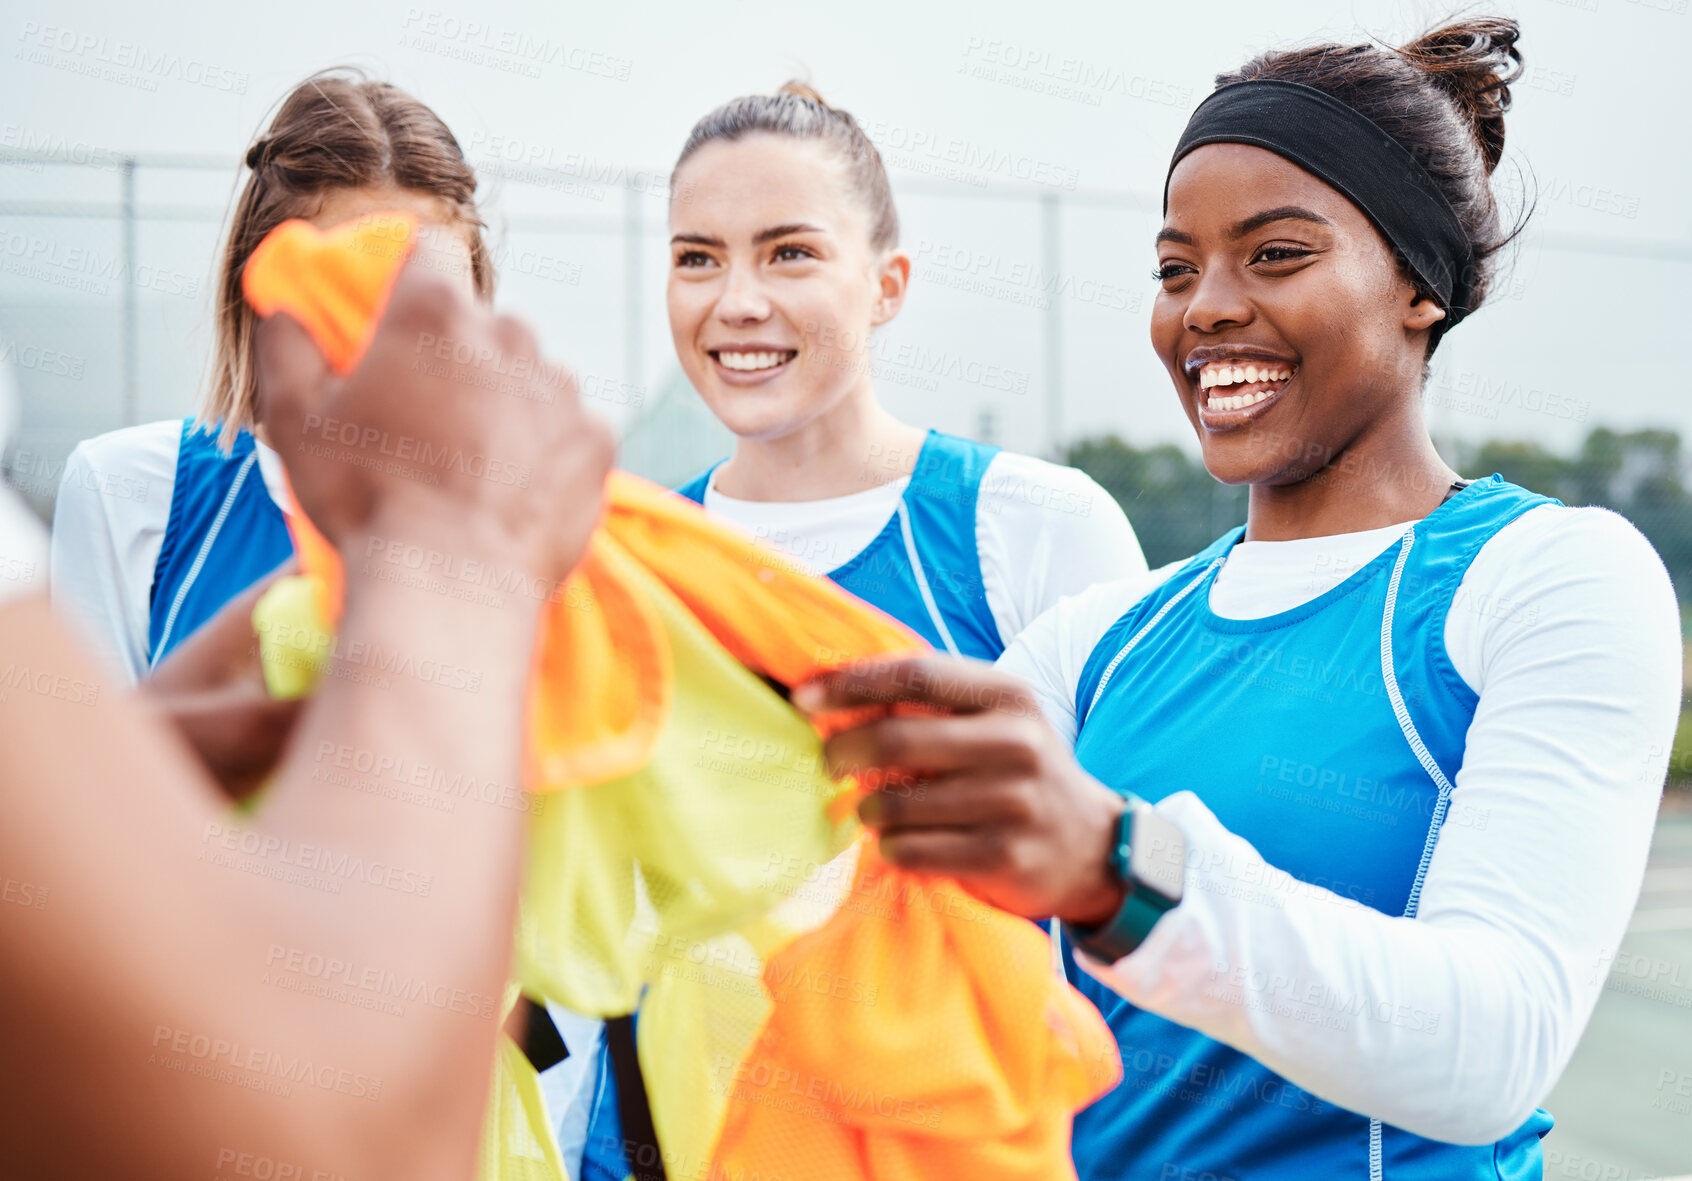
<point>1389,475</point>
<point>856,446</point>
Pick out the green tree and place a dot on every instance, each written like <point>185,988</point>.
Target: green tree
<point>1176,506</point>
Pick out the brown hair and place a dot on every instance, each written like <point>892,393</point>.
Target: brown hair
<point>336,130</point>
<point>799,111</point>
<point>1442,97</point>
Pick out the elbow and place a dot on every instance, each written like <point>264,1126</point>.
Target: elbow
<point>1484,1125</point>
<point>417,1141</point>
<point>420,1112</point>
<point>1482,1108</point>
<point>1486,1103</point>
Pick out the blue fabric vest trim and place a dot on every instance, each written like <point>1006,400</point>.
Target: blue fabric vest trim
<point>1286,728</point>
<point>694,489</point>
<point>223,534</point>
<point>923,568</point>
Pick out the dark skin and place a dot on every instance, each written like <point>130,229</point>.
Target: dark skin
<point>1343,448</point>
<point>211,690</point>
<point>1261,263</point>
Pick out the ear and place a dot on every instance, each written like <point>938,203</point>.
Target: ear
<point>1422,313</point>
<point>893,275</point>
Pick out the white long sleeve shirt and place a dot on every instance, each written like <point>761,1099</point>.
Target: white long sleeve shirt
<point>23,549</point>
<point>108,527</point>
<point>1566,627</point>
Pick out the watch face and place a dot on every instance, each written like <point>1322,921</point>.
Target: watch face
<point>1158,853</point>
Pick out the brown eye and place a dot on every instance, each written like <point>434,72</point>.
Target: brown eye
<point>1281,254</point>
<point>692,258</point>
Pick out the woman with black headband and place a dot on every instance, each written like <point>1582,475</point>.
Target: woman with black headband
<point>1360,797</point>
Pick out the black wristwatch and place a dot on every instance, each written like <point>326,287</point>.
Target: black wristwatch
<point>1149,859</point>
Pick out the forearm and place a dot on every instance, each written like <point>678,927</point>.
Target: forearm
<point>317,986</point>
<point>311,941</point>
<point>1453,1026</point>
<point>410,757</point>
<point>1457,1023</point>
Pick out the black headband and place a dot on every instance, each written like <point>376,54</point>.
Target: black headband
<point>1349,151</point>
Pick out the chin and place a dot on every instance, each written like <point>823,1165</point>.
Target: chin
<point>752,421</point>
<point>1236,465</point>
<point>1229,463</point>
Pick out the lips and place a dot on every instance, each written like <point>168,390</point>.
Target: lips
<point>752,358</point>
<point>1236,384</point>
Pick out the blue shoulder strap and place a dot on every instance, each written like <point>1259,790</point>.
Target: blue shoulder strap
<point>223,534</point>
<point>1121,634</point>
<point>938,514</point>
<point>694,489</point>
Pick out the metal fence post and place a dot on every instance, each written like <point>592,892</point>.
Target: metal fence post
<point>1051,260</point>
<point>131,346</point>
<point>633,225</point>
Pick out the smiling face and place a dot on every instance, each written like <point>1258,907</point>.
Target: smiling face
<point>1284,320</point>
<point>774,283</point>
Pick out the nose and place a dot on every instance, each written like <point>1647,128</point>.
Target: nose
<point>1216,301</point>
<point>743,300</point>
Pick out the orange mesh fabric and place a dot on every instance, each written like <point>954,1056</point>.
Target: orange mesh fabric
<point>919,1034</point>
<point>915,1033</point>
<point>336,284</point>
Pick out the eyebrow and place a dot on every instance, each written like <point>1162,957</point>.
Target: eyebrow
<point>1255,222</point>
<point>758,239</point>
<point>782,231</point>
<point>1280,213</point>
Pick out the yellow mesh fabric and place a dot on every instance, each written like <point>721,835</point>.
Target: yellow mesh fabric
<point>517,1141</point>
<point>667,876</point>
<point>683,841</point>
<point>710,833</point>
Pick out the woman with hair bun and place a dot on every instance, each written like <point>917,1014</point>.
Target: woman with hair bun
<point>784,260</point>
<point>1345,817</point>
<point>136,576</point>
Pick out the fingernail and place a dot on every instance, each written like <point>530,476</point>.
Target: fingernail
<point>808,697</point>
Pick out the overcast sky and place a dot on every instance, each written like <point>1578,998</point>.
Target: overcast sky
<point>584,96</point>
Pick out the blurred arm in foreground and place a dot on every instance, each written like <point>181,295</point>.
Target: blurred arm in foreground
<point>318,986</point>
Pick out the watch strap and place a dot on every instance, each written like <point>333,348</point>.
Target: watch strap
<point>1142,905</point>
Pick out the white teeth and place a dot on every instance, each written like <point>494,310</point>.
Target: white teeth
<point>1212,376</point>
<point>748,362</point>
<point>1240,401</point>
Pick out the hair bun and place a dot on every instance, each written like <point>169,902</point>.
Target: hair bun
<point>803,90</point>
<point>1473,62</point>
<point>255,154</point>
